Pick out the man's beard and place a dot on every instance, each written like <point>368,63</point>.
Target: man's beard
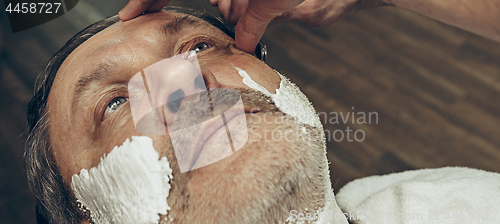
<point>282,167</point>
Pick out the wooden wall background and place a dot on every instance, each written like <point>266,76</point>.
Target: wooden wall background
<point>435,89</point>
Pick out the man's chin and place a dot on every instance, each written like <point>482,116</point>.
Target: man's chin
<point>282,167</point>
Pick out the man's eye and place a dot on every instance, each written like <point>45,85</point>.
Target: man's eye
<point>200,47</point>
<point>114,104</point>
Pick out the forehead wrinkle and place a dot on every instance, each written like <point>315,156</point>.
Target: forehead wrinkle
<point>180,22</point>
<point>97,75</point>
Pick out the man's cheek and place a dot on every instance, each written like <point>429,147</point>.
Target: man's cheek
<point>129,185</point>
<point>163,145</point>
<point>114,131</point>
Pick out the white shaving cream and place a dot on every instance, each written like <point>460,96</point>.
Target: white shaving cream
<point>288,98</point>
<point>129,186</point>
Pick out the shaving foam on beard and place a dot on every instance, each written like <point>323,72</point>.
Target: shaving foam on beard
<point>129,186</point>
<point>288,98</point>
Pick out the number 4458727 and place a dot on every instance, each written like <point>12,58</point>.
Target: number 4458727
<point>33,8</point>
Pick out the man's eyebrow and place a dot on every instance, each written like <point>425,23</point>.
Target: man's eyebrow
<point>180,22</point>
<point>96,75</point>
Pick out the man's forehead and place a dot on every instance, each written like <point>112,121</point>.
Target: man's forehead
<point>123,39</point>
<point>141,30</point>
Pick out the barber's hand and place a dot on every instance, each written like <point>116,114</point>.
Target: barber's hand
<point>253,16</point>
<point>135,8</point>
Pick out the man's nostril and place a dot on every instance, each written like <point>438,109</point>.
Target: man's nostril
<point>174,100</point>
<point>199,82</point>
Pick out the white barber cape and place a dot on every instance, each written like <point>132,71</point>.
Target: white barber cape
<point>446,195</point>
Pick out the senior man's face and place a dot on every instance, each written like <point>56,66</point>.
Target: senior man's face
<point>259,183</point>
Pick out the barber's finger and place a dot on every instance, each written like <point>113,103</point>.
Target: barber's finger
<point>250,29</point>
<point>134,8</point>
<point>285,16</point>
<point>238,7</point>
<point>225,9</point>
<point>157,5</point>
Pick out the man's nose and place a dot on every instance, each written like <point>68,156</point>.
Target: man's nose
<point>167,83</point>
<point>174,79</point>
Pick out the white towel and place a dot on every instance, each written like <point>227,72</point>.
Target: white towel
<point>445,195</point>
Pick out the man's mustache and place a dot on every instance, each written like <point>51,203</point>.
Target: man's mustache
<point>200,107</point>
<point>200,116</point>
<point>213,102</point>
